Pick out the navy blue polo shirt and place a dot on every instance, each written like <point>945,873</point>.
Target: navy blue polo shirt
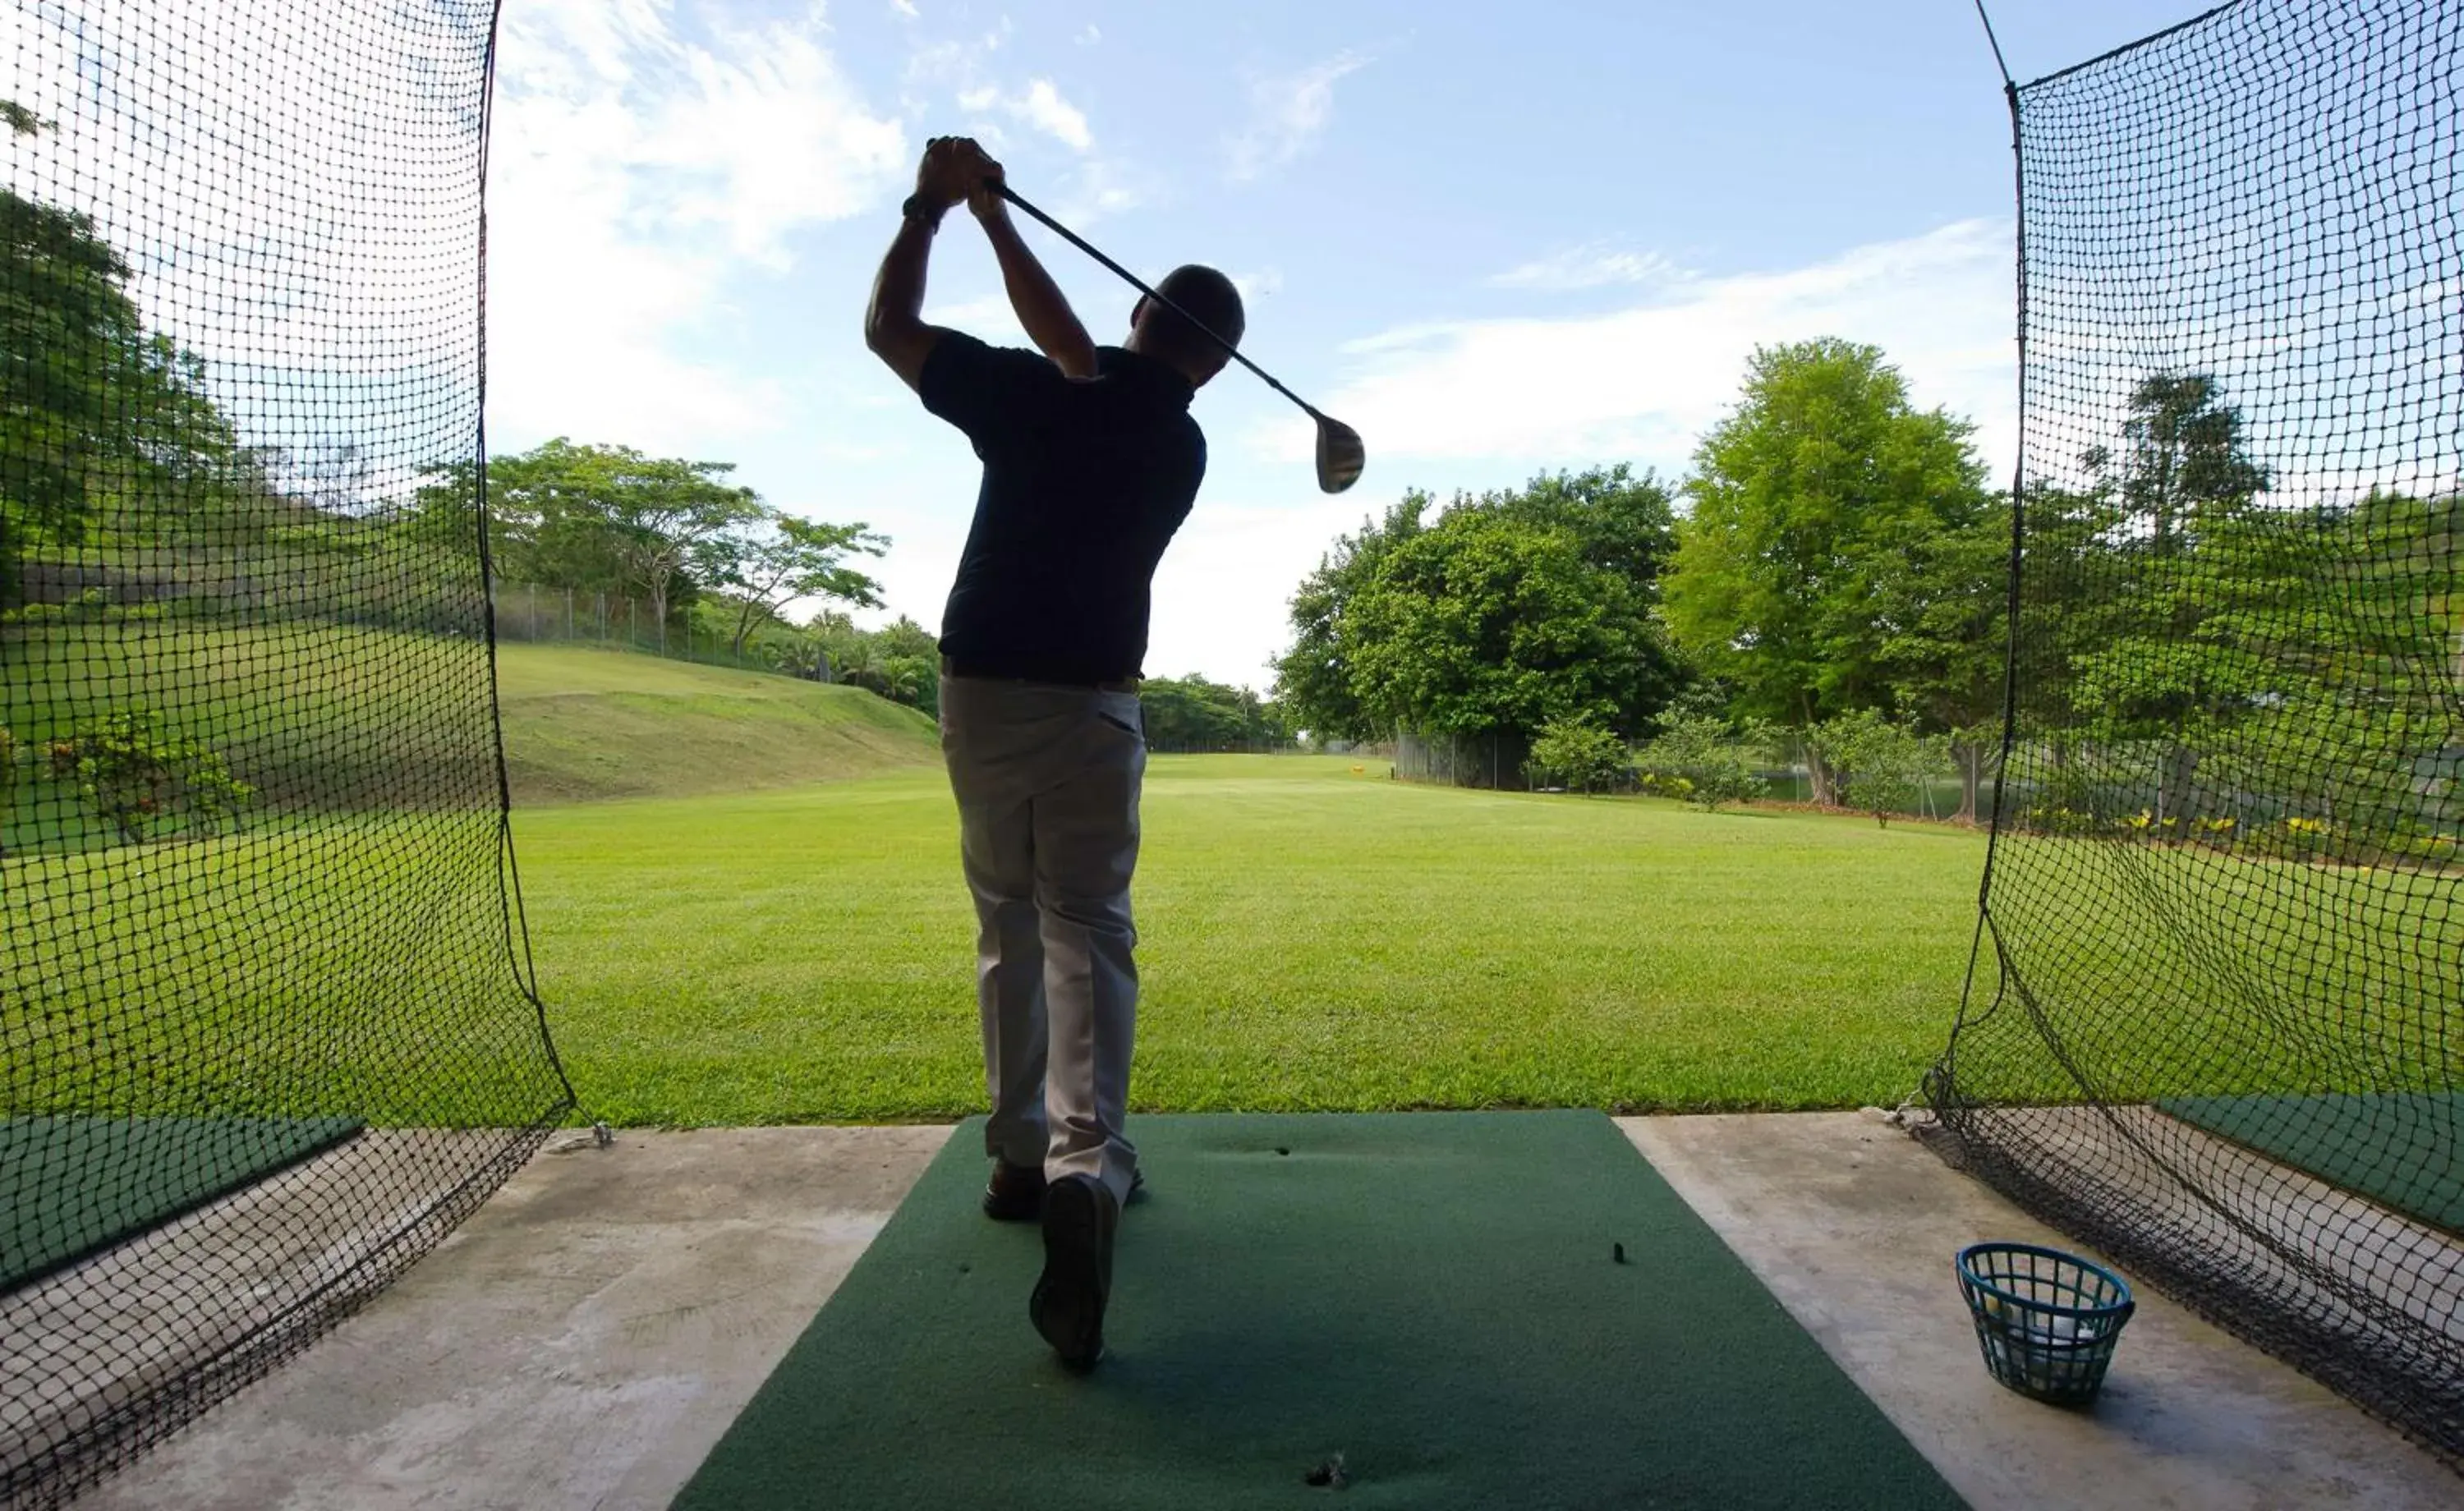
<point>1083,484</point>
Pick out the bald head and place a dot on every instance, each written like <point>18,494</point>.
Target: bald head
<point>1161,334</point>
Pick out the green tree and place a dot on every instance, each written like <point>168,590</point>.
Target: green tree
<point>2229,653</point>
<point>1193,713</point>
<point>661,512</point>
<point>1881,764</point>
<point>2190,582</point>
<point>1625,524</point>
<point>1314,679</point>
<point>1393,629</point>
<point>779,559</point>
<point>1700,756</point>
<point>597,517</point>
<point>846,651</point>
<point>900,660</point>
<point>1805,497</point>
<point>2065,605</point>
<point>2319,669</point>
<point>1578,753</point>
<point>544,524</point>
<point>1942,611</point>
<point>99,421</point>
<point>1485,622</point>
<point>2182,457</point>
<point>1269,725</point>
<point>904,637</point>
<point>912,680</point>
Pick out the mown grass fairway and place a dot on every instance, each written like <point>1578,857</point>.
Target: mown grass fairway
<point>777,932</point>
<point>1312,939</point>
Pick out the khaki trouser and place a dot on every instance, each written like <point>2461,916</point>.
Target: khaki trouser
<point>1048,781</point>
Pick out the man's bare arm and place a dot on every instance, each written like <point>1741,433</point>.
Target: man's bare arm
<point>893,323</point>
<point>1043,313</point>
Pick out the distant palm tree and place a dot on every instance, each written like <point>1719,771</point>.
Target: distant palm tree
<point>856,660</point>
<point>903,677</point>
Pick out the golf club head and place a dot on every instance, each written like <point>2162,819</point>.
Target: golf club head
<point>1340,456</point>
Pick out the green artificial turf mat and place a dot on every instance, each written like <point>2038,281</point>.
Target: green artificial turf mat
<point>2404,1151</point>
<point>1433,1296</point>
<point>70,1186</point>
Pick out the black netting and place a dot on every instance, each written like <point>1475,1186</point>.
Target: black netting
<point>2217,1014</point>
<point>266,1031</point>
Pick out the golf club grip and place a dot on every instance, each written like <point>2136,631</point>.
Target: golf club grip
<point>1140,284</point>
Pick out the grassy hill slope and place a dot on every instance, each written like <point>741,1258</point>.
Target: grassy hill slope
<point>584,724</point>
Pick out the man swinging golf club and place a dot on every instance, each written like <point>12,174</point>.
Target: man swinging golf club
<point>1091,461</point>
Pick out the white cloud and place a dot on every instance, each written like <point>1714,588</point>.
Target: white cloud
<point>1100,187</point>
<point>1091,36</point>
<point>1287,112</point>
<point>1040,106</point>
<point>1643,382</point>
<point>1056,117</point>
<point>634,174</point>
<point>1080,189</point>
<point>905,8</point>
<point>1589,267</point>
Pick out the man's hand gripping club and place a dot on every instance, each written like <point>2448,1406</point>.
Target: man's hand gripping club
<point>955,169</point>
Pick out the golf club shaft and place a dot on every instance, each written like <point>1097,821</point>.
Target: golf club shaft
<point>1139,284</point>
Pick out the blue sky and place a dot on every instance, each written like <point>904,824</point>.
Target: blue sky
<point>1496,238</point>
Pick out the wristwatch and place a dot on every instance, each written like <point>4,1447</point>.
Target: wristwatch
<point>919,208</point>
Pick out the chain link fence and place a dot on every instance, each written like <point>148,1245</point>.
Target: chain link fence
<point>1495,761</point>
<point>535,614</point>
<point>1499,762</point>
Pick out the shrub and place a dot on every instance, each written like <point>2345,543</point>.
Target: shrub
<point>1699,757</point>
<point>2044,816</point>
<point>93,606</point>
<point>145,781</point>
<point>2217,831</point>
<point>1881,767</point>
<point>1578,753</point>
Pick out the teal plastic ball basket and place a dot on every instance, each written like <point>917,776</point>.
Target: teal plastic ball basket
<point>2046,1320</point>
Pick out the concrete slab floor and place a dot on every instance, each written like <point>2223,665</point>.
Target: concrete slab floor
<point>582,1341</point>
<point>1853,1226</point>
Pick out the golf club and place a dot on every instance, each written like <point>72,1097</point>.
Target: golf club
<point>1340,456</point>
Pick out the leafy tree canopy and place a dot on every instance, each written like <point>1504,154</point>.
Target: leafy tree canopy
<point>1507,612</point>
<point>1791,574</point>
<point>103,425</point>
<point>1192,714</point>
